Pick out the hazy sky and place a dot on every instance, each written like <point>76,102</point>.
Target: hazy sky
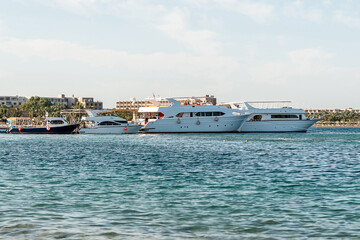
<point>304,51</point>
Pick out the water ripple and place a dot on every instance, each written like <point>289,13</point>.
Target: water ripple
<point>208,186</point>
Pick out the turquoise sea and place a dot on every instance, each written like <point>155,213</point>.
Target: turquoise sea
<point>181,186</point>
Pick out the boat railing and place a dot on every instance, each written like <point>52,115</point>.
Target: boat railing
<point>259,104</point>
<point>26,125</point>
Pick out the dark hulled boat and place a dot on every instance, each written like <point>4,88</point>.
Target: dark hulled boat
<point>53,126</point>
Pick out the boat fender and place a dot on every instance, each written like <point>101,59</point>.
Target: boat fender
<point>216,119</point>
<point>178,121</point>
<point>197,122</point>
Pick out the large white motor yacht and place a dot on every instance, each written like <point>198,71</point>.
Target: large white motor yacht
<point>180,118</point>
<point>97,124</point>
<point>278,119</point>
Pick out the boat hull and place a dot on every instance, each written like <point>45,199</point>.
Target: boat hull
<point>276,126</point>
<point>111,130</point>
<point>68,129</point>
<point>195,125</point>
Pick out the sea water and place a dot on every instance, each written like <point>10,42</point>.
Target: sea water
<point>181,186</point>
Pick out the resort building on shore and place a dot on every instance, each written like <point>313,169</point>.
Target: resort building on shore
<point>85,102</point>
<point>89,103</point>
<point>65,101</point>
<point>134,104</point>
<point>11,101</point>
<point>68,102</point>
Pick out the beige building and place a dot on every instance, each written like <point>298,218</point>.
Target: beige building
<point>86,102</point>
<point>11,101</point>
<point>89,103</point>
<point>65,101</point>
<point>133,104</point>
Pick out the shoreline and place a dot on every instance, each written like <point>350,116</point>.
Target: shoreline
<point>337,124</point>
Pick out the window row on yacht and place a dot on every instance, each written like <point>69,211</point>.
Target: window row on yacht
<point>112,123</point>
<point>277,116</point>
<point>199,114</point>
<point>284,116</point>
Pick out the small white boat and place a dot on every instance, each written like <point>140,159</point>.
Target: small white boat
<point>191,119</point>
<point>273,120</point>
<point>3,128</point>
<point>97,124</point>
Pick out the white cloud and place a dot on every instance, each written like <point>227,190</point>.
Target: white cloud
<point>345,18</point>
<point>83,7</point>
<point>327,3</point>
<point>208,67</point>
<point>306,64</point>
<point>1,27</point>
<point>298,9</point>
<point>124,8</point>
<point>309,56</point>
<point>202,41</point>
<point>127,74</point>
<point>172,21</point>
<point>258,11</point>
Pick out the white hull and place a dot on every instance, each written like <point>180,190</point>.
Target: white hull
<point>277,126</point>
<point>195,125</point>
<point>111,130</point>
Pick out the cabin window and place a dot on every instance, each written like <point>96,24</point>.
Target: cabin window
<point>208,114</point>
<point>284,116</point>
<point>121,121</point>
<point>200,114</point>
<point>256,118</point>
<point>56,122</point>
<point>108,123</point>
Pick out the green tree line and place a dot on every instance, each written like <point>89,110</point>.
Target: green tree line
<point>36,107</point>
<point>345,116</point>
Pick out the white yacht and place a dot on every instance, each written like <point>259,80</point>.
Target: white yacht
<point>278,119</point>
<point>97,124</point>
<point>191,119</point>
